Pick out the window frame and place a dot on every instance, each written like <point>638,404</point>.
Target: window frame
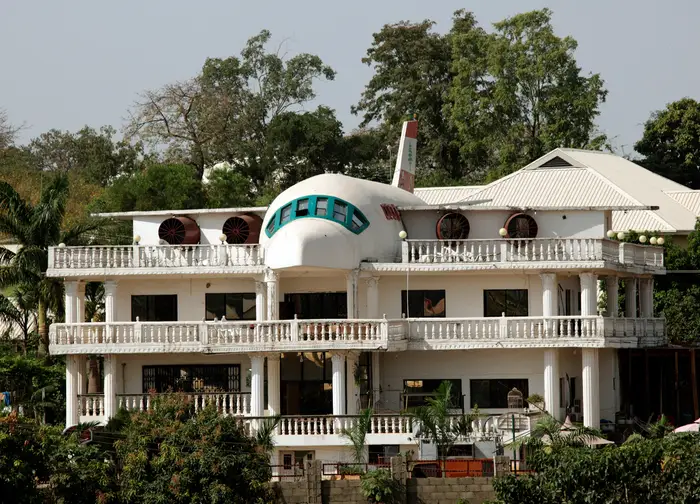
<point>151,298</point>
<point>242,296</point>
<point>352,214</point>
<point>510,383</point>
<point>405,303</point>
<point>506,305</point>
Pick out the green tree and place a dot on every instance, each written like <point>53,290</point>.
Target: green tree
<point>18,312</point>
<point>8,132</point>
<point>157,187</point>
<point>25,378</point>
<point>223,114</point>
<point>518,93</point>
<point>35,228</point>
<point>413,74</point>
<point>96,155</point>
<point>172,455</point>
<point>670,143</point>
<point>357,436</point>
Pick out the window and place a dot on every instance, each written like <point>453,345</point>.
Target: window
<point>494,393</point>
<point>302,207</point>
<point>321,207</point>
<point>416,391</point>
<point>423,303</point>
<point>240,306</point>
<point>286,214</point>
<point>271,225</point>
<point>358,221</point>
<point>511,302</point>
<point>154,308</point>
<point>192,378</point>
<point>381,454</point>
<point>340,211</point>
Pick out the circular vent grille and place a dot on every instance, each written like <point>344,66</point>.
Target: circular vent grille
<point>179,231</point>
<point>242,229</point>
<point>521,226</point>
<point>452,226</point>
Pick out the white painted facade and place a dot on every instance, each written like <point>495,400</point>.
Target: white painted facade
<point>560,344</point>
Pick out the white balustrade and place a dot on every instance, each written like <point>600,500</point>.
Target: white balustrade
<point>530,250</point>
<point>91,406</point>
<point>155,256</point>
<point>226,403</point>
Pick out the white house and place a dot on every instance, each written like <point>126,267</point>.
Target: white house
<point>346,293</point>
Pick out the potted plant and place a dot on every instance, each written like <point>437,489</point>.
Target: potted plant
<point>536,402</point>
<point>379,487</point>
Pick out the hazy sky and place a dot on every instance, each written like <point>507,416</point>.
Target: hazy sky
<point>68,63</point>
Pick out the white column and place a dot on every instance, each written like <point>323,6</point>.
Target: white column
<point>257,384</point>
<point>631,297</point>
<point>589,294</point>
<point>551,382</point>
<point>351,282</point>
<point>646,297</point>
<point>272,281</point>
<point>110,385</point>
<point>591,388</point>
<point>612,290</point>
<point>82,375</point>
<point>110,301</point>
<point>549,294</point>
<point>71,289</point>
<point>72,411</point>
<point>338,361</point>
<point>351,388</point>
<point>273,384</point>
<point>376,378</point>
<point>80,303</point>
<point>373,298</point>
<point>260,301</point>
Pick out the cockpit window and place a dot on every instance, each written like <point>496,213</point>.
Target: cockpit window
<point>320,207</point>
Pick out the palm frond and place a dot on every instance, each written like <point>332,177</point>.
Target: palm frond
<point>76,235</point>
<point>9,312</point>
<point>265,435</point>
<point>11,275</point>
<point>357,435</point>
<point>16,226</point>
<point>12,203</point>
<point>49,212</point>
<point>6,255</point>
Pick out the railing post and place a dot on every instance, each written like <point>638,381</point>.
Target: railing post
<point>223,255</point>
<point>503,326</point>
<point>504,251</point>
<point>52,253</point>
<point>294,329</point>
<point>621,257</point>
<point>135,256</point>
<point>203,333</point>
<point>405,257</point>
<point>137,331</point>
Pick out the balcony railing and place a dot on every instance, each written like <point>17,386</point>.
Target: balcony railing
<point>315,335</point>
<point>531,250</point>
<point>155,256</point>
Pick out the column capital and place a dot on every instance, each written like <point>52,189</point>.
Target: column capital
<point>271,276</point>
<point>110,286</point>
<point>339,356</point>
<point>352,274</point>
<point>71,287</point>
<point>372,281</point>
<point>549,276</point>
<point>259,286</point>
<point>271,356</point>
<point>257,357</point>
<point>588,275</point>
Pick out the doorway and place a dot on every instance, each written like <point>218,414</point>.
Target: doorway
<point>315,305</point>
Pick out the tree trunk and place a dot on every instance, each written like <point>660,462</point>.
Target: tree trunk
<point>43,331</point>
<point>94,379</point>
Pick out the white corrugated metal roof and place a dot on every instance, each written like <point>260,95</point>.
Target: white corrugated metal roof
<point>639,220</point>
<point>688,198</point>
<point>553,188</point>
<point>444,195</point>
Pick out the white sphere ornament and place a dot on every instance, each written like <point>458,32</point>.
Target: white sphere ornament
<point>621,235</point>
<point>137,239</point>
<point>503,231</point>
<point>652,240</point>
<point>642,239</point>
<point>611,234</point>
<point>223,238</point>
<point>660,240</point>
<point>61,245</point>
<point>403,234</point>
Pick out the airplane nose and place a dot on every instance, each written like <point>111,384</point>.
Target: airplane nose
<point>314,243</point>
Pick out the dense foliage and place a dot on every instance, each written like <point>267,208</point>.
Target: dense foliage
<point>167,455</point>
<point>648,471</point>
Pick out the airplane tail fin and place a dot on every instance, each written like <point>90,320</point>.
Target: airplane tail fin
<point>405,171</point>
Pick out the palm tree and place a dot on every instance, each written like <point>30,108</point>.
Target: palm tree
<point>434,421</point>
<point>551,434</point>
<point>265,434</point>
<point>17,310</point>
<point>36,227</point>
<point>357,435</point>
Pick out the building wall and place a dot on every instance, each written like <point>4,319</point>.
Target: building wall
<point>420,225</point>
<point>464,294</point>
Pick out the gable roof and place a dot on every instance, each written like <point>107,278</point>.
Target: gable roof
<point>554,181</point>
<point>443,195</point>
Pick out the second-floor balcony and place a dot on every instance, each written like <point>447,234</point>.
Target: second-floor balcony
<point>535,253</point>
<point>363,335</point>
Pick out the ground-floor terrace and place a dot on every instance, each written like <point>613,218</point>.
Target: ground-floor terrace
<point>319,394</point>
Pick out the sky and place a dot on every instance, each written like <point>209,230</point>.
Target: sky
<point>70,63</point>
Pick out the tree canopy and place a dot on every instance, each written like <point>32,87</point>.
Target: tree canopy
<point>670,143</point>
